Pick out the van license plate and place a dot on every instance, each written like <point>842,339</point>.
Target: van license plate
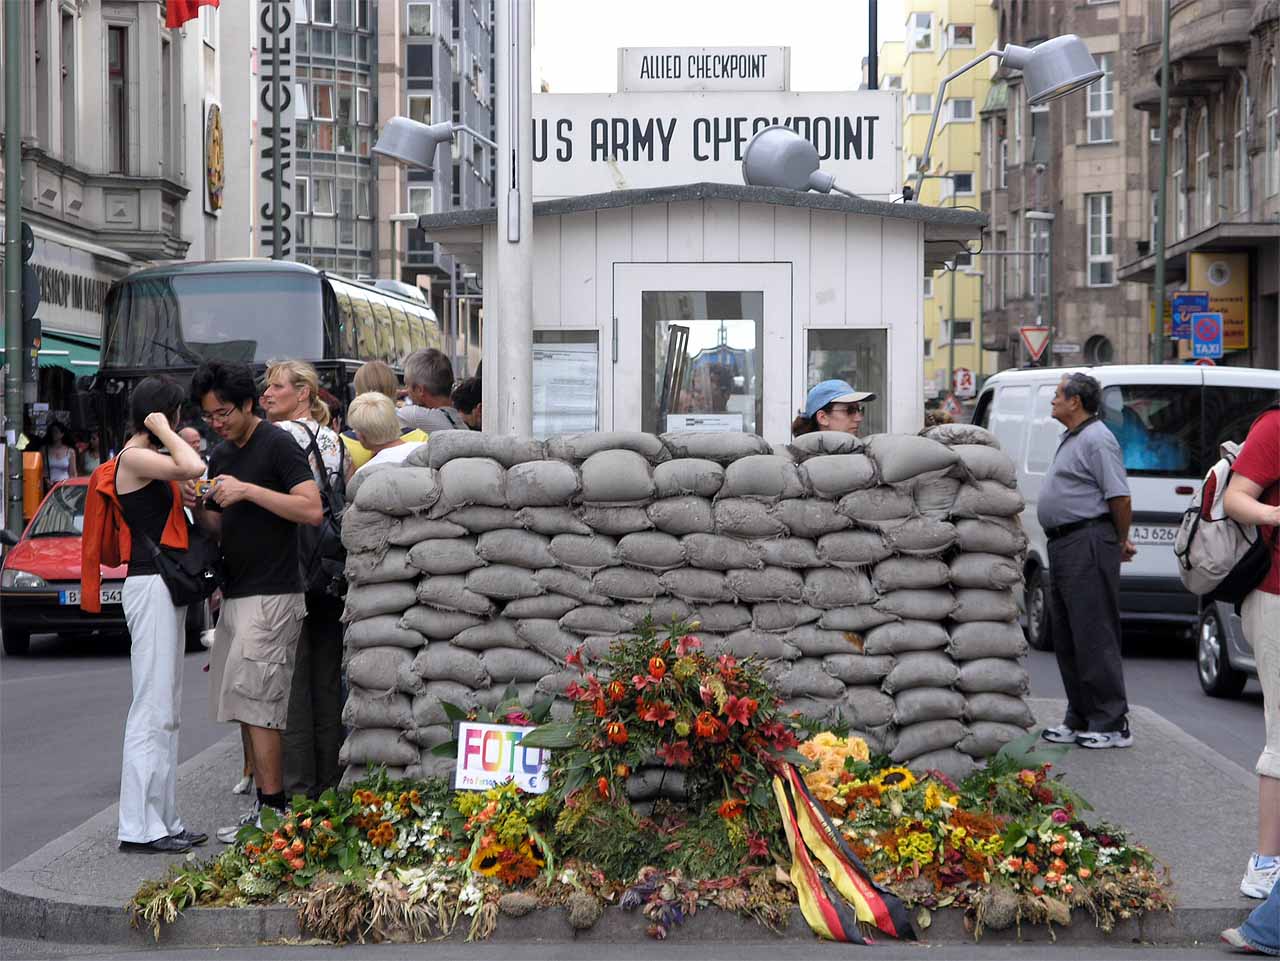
<point>1160,534</point>
<point>108,596</point>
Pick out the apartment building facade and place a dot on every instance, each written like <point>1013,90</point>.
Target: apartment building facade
<point>127,156</point>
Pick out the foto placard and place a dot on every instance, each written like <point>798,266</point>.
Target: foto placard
<point>490,754</point>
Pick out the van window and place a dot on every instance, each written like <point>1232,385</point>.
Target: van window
<point>1158,427</point>
<point>1008,419</point>
<point>1045,433</point>
<point>1228,414</point>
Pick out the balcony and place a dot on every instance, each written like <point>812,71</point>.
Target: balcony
<point>1209,41</point>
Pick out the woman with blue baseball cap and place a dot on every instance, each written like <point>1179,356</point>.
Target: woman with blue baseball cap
<point>832,405</point>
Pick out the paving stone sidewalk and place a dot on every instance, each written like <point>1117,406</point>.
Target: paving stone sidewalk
<point>1195,809</point>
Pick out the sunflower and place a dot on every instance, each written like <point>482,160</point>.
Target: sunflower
<point>894,777</point>
<point>488,859</point>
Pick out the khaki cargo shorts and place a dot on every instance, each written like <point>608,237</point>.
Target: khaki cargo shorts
<point>251,666</point>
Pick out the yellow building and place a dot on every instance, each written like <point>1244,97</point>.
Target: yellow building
<point>941,36</point>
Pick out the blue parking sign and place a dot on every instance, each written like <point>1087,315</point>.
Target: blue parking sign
<point>1206,335</point>
<point>1184,303</point>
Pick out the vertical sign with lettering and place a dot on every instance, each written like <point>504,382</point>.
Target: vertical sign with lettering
<point>274,147</point>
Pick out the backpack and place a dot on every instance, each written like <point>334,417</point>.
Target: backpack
<point>321,555</point>
<point>1219,558</point>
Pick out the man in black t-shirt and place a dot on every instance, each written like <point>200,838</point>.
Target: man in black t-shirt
<point>262,489</point>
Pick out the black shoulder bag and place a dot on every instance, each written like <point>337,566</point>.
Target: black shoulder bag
<point>320,552</point>
<point>191,575</point>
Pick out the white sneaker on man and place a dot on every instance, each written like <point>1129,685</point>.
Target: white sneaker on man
<point>1098,740</point>
<point>1062,734</point>
<point>227,835</point>
<point>1261,877</point>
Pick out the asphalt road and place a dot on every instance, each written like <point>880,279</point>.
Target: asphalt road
<point>63,707</point>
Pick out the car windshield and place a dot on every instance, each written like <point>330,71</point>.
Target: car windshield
<point>1174,431</point>
<point>62,514</point>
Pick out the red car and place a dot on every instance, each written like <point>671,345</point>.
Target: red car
<point>40,578</point>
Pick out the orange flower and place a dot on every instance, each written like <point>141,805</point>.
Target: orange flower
<point>278,844</point>
<point>307,824</point>
<point>327,824</point>
<point>1058,865</point>
<point>732,808</point>
<point>600,707</point>
<point>622,770</point>
<point>1014,864</point>
<point>732,762</point>
<point>297,847</point>
<point>616,731</point>
<point>1057,847</point>
<point>616,690</point>
<point>1032,850</point>
<point>1030,867</point>
<point>704,725</point>
<point>602,786</point>
<point>1085,874</point>
<point>657,667</point>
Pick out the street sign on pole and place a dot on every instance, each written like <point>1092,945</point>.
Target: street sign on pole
<point>1206,335</point>
<point>1035,339</point>
<point>1184,304</point>
<point>963,383</point>
<point>1061,348</point>
<point>1205,362</point>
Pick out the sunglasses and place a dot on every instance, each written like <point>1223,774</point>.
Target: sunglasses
<point>849,409</point>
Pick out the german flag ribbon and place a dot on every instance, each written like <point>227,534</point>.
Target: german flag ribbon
<point>811,833</point>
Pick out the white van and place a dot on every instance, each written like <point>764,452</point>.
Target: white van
<point>1169,420</point>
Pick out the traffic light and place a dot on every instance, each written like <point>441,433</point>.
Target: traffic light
<point>30,292</point>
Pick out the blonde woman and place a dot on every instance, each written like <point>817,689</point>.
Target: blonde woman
<point>374,377</point>
<point>313,731</point>
<point>373,418</point>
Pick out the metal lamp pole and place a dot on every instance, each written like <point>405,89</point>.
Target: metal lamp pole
<point>1047,217</point>
<point>15,350</point>
<point>1157,325</point>
<point>396,221</point>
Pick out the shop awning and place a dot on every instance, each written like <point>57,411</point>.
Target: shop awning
<point>80,356</point>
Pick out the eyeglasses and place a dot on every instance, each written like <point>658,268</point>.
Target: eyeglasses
<point>850,409</point>
<point>217,416</point>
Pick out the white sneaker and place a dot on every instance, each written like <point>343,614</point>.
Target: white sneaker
<point>1104,739</point>
<point>244,785</point>
<point>1062,734</point>
<point>1258,881</point>
<point>228,834</point>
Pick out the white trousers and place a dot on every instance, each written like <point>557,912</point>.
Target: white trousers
<point>149,773</point>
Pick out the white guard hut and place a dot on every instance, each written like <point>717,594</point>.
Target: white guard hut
<point>714,306</point>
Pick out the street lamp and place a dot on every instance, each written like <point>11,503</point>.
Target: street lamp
<point>777,156</point>
<point>396,220</point>
<point>414,143</point>
<point>1050,70</point>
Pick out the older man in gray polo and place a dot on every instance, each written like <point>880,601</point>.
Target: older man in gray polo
<point>1084,509</point>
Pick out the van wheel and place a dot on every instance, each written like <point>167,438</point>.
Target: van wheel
<point>1038,631</point>
<point>1217,677</point>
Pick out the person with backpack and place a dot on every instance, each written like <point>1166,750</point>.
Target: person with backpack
<point>1253,497</point>
<point>133,509</point>
<point>313,730</point>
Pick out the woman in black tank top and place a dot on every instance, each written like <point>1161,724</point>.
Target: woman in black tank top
<point>148,778</point>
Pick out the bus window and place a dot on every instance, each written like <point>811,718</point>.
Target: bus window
<point>385,346</point>
<point>366,327</point>
<point>346,325</point>
<point>417,329</point>
<point>434,337</point>
<point>400,327</point>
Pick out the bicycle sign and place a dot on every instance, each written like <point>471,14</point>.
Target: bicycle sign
<point>1206,335</point>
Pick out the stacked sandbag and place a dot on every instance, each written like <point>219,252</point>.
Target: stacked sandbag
<point>873,577</point>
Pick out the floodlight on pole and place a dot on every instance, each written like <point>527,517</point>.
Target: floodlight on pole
<point>414,143</point>
<point>1050,70</point>
<point>777,156</point>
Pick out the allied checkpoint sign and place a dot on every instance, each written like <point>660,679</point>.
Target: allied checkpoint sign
<point>490,754</point>
<point>598,142</point>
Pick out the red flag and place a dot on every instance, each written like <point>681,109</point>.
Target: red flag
<point>179,12</point>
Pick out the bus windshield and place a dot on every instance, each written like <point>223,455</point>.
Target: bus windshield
<point>185,319</point>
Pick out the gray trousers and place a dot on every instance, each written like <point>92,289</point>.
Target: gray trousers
<point>313,732</point>
<point>1084,613</point>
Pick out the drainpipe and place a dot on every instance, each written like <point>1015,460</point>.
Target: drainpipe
<point>1162,196</point>
<point>14,347</point>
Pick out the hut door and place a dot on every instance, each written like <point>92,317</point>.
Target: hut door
<point>702,347</point>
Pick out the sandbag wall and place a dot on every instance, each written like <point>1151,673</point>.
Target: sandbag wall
<point>875,576</point>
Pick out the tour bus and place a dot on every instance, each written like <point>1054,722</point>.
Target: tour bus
<point>174,317</point>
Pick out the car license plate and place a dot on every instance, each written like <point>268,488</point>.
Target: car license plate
<point>108,596</point>
<point>1158,534</point>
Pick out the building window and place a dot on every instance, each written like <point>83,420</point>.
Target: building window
<point>892,82</point>
<point>1271,145</point>
<point>920,103</point>
<point>301,11</point>
<point>322,43</point>
<point>963,184</point>
<point>322,12</point>
<point>68,92</point>
<point>1178,153</point>
<point>364,200</point>
<point>118,100</point>
<point>302,195</point>
<point>1038,269</point>
<point>322,196</point>
<point>419,20</point>
<point>40,29</point>
<point>963,329</point>
<point>1013,288</point>
<point>960,35</point>
<point>168,151</point>
<point>1004,163</point>
<point>1002,268</point>
<point>921,31</point>
<point>418,61</point>
<point>1204,194</point>
<point>362,14</point>
<point>960,110</point>
<point>962,261</point>
<point>928,286</point>
<point>422,200</point>
<point>1155,218</point>
<point>322,101</point>
<point>1242,152</point>
<point>1015,108</point>
<point>362,105</point>
<point>928,345</point>
<point>420,108</point>
<point>1102,259</point>
<point>1102,102</point>
<point>346,14</point>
